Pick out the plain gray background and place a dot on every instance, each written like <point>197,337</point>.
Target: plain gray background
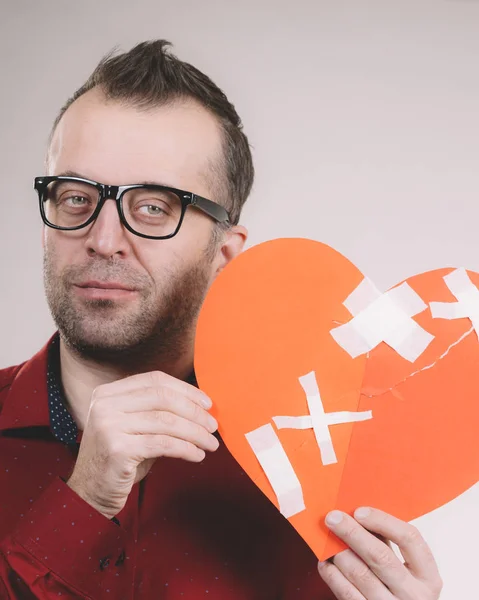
<point>363,115</point>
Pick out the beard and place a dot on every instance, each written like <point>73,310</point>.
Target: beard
<point>150,332</point>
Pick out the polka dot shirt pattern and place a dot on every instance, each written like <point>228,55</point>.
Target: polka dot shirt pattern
<point>187,531</point>
<point>63,426</point>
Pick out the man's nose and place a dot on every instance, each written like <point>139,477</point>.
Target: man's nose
<point>107,236</point>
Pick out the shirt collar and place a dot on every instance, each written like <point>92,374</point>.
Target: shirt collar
<point>62,424</point>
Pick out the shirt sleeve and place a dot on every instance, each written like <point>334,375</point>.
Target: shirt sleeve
<point>63,547</point>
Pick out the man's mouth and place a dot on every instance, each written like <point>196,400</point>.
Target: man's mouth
<point>104,290</point>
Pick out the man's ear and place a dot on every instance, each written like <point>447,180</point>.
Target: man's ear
<point>232,244</point>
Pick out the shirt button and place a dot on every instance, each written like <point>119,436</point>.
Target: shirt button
<point>104,562</point>
<point>120,559</point>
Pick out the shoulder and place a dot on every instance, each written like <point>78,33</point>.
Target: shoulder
<point>26,374</point>
<point>7,377</point>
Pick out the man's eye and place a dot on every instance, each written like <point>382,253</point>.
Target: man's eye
<point>76,200</point>
<point>152,210</point>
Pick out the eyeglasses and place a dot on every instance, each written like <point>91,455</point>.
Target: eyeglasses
<point>150,211</point>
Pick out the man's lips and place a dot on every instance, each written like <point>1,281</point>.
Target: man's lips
<point>105,285</point>
<point>104,290</point>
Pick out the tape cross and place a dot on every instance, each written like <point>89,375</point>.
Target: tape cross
<point>385,318</point>
<point>319,420</point>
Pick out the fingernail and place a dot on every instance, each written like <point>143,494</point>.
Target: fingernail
<point>362,513</point>
<point>212,424</point>
<point>206,402</point>
<point>334,518</point>
<point>321,563</point>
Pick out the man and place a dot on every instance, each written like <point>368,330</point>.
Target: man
<point>114,482</point>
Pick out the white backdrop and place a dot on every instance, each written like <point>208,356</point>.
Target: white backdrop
<point>363,115</point>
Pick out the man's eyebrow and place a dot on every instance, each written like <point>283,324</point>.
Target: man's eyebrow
<point>70,173</point>
<point>156,183</point>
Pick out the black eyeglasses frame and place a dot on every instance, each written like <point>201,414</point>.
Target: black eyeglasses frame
<point>116,192</point>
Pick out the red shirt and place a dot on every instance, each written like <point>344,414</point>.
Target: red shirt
<point>188,530</point>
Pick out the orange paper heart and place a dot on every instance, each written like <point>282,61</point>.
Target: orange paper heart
<point>267,322</point>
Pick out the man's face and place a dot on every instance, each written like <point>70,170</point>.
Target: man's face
<point>166,279</point>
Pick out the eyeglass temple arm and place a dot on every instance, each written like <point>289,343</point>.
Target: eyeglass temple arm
<point>214,210</point>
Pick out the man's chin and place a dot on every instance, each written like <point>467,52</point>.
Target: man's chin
<point>110,328</point>
<point>104,341</point>
<point>100,306</point>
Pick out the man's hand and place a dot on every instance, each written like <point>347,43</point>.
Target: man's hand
<point>130,424</point>
<point>370,570</point>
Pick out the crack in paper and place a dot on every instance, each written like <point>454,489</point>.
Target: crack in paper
<point>426,368</point>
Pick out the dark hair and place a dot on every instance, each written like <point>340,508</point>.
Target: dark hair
<point>149,76</point>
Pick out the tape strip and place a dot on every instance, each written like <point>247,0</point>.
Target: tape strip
<point>320,425</point>
<point>293,422</point>
<point>319,420</point>
<point>449,310</point>
<point>385,318</point>
<point>364,295</point>
<point>278,469</point>
<point>467,295</point>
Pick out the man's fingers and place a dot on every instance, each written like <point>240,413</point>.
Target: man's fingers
<point>155,446</point>
<point>380,558</point>
<point>417,554</point>
<point>360,575</point>
<point>169,424</point>
<point>337,582</point>
<point>154,400</point>
<point>156,380</point>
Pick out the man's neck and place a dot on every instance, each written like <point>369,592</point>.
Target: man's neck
<point>81,376</point>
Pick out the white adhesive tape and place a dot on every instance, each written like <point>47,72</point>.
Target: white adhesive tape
<point>320,424</point>
<point>364,295</point>
<point>293,422</point>
<point>319,420</point>
<point>467,294</point>
<point>385,318</point>
<point>278,469</point>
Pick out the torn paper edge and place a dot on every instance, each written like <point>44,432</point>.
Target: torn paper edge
<point>426,368</point>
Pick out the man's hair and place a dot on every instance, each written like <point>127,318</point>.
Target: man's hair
<point>149,76</point>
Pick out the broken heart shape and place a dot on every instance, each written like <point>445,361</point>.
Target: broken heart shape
<point>316,429</point>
